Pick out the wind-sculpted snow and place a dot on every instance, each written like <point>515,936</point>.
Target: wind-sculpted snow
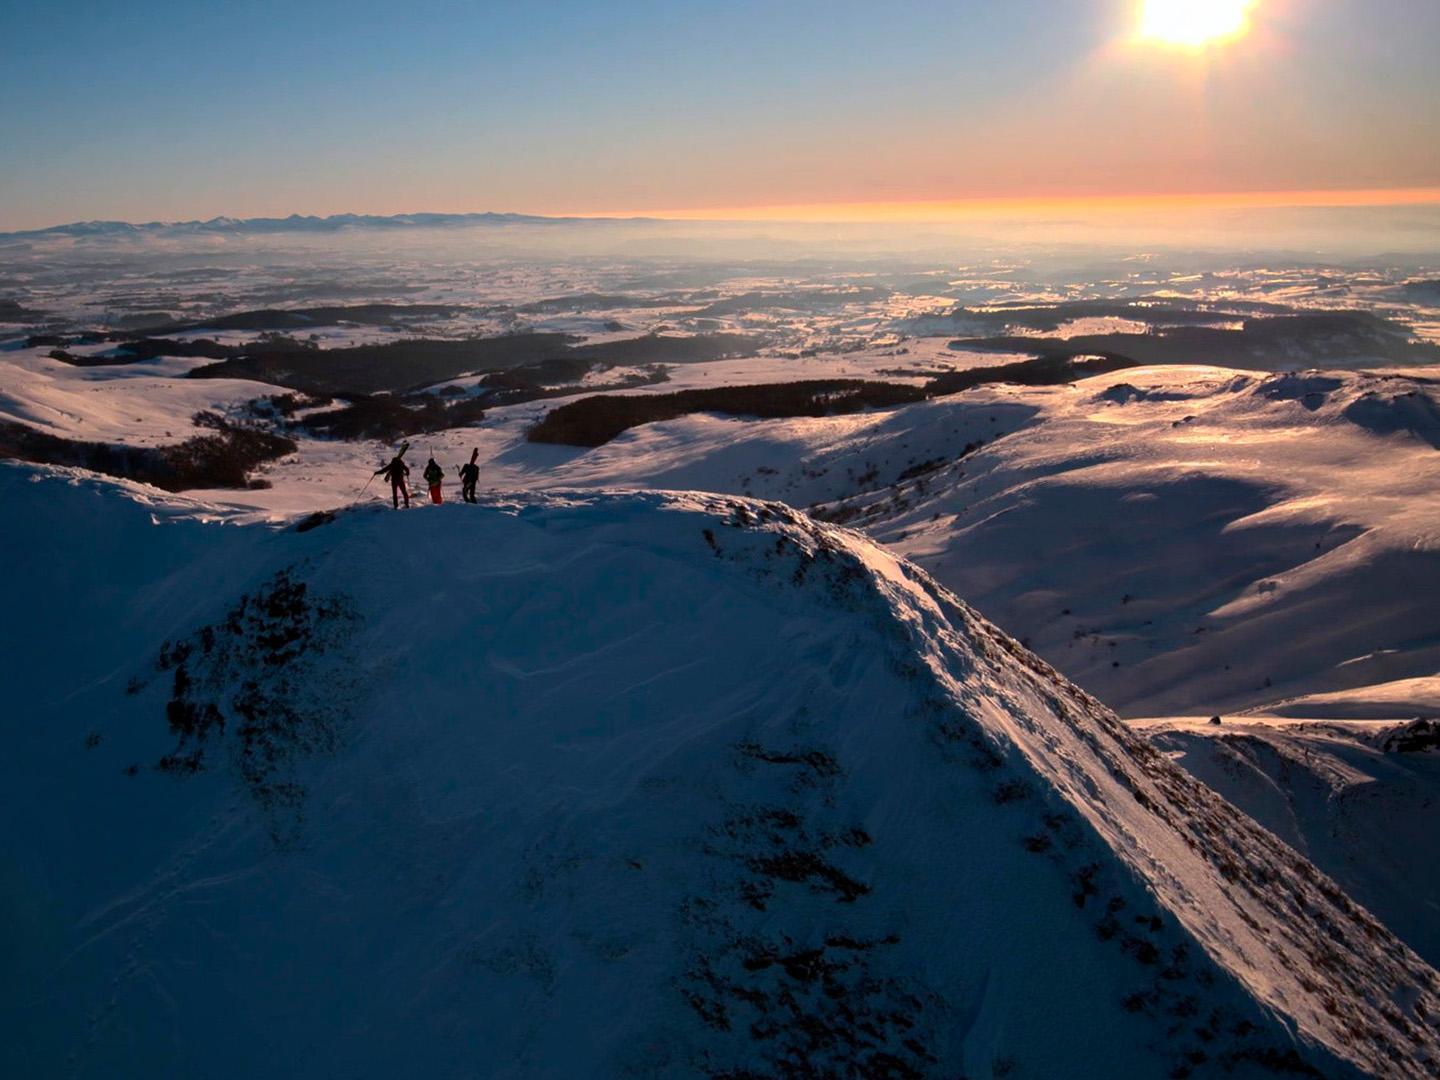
<point>1192,539</point>
<point>1358,798</point>
<point>614,784</point>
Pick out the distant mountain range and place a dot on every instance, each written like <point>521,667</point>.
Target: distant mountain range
<point>306,223</point>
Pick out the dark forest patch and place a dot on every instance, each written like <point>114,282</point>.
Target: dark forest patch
<point>594,421</point>
<point>306,318</point>
<point>1275,341</point>
<point>144,320</point>
<point>14,311</point>
<point>1052,368</point>
<point>557,376</point>
<point>1156,311</point>
<point>392,366</point>
<point>142,349</point>
<point>409,365</point>
<point>669,348</point>
<point>389,417</point>
<point>795,300</point>
<point>593,301</point>
<point>222,459</point>
<point>284,406</point>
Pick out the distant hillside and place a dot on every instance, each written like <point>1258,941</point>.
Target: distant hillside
<point>295,223</point>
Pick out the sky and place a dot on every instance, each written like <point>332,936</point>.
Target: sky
<point>175,109</point>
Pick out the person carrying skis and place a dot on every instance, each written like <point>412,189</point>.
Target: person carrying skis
<point>396,472</point>
<point>469,476</point>
<point>433,475</point>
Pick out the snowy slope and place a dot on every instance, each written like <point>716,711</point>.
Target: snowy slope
<point>1402,699</point>
<point>1187,539</point>
<point>1182,539</point>
<point>608,784</point>
<point>1175,539</point>
<point>143,404</point>
<point>1356,797</point>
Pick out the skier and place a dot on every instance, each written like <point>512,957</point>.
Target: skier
<point>469,476</point>
<point>433,475</point>
<point>396,472</point>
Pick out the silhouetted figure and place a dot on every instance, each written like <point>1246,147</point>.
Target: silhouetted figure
<point>433,475</point>
<point>396,472</point>
<point>469,477</point>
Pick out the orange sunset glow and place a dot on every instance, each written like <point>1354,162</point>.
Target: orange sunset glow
<point>923,210</point>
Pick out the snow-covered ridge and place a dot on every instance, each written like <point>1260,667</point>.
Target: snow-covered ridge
<point>1355,796</point>
<point>596,783</point>
<point>1180,539</point>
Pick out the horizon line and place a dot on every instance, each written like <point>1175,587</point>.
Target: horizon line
<point>895,211</point>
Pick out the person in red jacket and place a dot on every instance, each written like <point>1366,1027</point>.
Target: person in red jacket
<point>433,475</point>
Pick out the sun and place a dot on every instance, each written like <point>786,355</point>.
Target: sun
<point>1194,24</point>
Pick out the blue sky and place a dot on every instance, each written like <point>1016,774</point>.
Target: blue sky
<point>153,109</point>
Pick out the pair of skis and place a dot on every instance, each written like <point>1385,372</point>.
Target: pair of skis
<point>474,456</point>
<point>404,446</point>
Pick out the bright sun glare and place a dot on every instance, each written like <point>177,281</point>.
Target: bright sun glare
<point>1193,24</point>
